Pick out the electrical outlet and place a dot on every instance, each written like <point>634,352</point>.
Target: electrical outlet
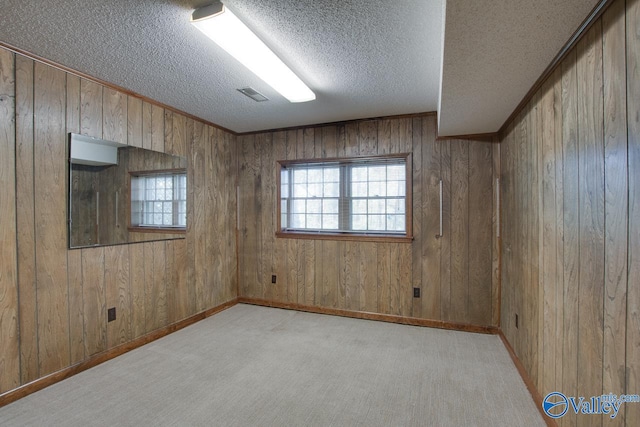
<point>516,320</point>
<point>111,314</point>
<point>416,292</point>
<point>273,278</point>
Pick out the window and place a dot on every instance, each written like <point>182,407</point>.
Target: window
<point>367,198</point>
<point>159,200</point>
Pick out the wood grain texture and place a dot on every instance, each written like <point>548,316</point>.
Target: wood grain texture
<point>50,219</point>
<point>591,231</point>
<point>91,105</point>
<point>632,366</point>
<point>25,204</point>
<point>10,349</point>
<point>616,201</point>
<point>430,251</point>
<point>459,229</point>
<point>570,221</point>
<point>114,118</point>
<point>375,277</point>
<point>568,187</point>
<point>74,258</point>
<point>94,301</point>
<point>134,121</point>
<point>137,281</point>
<point>62,295</point>
<point>418,230</point>
<point>118,293</point>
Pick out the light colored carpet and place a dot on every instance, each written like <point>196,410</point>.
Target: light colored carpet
<point>257,366</point>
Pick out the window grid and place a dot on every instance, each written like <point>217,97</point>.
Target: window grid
<point>371,197</point>
<point>159,201</point>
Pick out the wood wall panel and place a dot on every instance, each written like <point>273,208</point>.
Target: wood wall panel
<point>367,276</point>
<point>94,301</point>
<point>632,365</point>
<point>616,201</point>
<point>10,350</point>
<point>569,174</point>
<point>25,203</point>
<point>59,297</point>
<point>74,258</point>
<point>118,293</point>
<point>50,171</point>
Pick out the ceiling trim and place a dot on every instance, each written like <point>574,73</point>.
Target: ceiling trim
<point>125,91</point>
<point>338,123</point>
<point>492,137</point>
<point>593,16</point>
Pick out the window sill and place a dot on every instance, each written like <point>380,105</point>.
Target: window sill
<point>173,230</point>
<point>380,238</point>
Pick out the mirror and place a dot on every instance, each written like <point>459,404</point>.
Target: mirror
<point>121,194</point>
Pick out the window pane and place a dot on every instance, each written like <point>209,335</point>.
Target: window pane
<point>395,223</point>
<point>359,206</point>
<point>314,206</point>
<point>359,222</point>
<point>376,206</point>
<point>153,199</point>
<point>359,189</point>
<point>395,188</point>
<point>298,221</point>
<point>300,190</point>
<point>377,189</point>
<point>377,173</point>
<point>359,174</point>
<point>330,206</point>
<point>331,175</point>
<point>300,176</point>
<point>314,221</point>
<point>315,175</point>
<point>332,189</point>
<point>376,222</point>
<point>299,206</point>
<point>315,190</point>
<point>395,206</point>
<point>330,222</point>
<point>396,172</point>
<point>373,198</point>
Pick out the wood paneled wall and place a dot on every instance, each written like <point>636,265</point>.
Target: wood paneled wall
<point>455,273</point>
<point>53,301</point>
<point>571,229</point>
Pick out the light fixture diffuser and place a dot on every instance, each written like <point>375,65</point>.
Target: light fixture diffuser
<point>227,31</point>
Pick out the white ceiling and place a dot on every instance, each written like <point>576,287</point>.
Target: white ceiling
<point>494,51</point>
<point>361,58</point>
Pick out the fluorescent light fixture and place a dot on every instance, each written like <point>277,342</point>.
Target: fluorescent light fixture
<point>224,28</point>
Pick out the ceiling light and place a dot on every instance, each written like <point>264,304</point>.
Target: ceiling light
<point>224,28</point>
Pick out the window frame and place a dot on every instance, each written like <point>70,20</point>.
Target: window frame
<point>405,237</point>
<point>155,228</point>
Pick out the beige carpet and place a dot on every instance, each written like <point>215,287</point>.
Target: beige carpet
<point>256,366</point>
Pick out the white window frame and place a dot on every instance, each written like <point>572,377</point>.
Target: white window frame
<point>138,201</point>
<point>345,229</point>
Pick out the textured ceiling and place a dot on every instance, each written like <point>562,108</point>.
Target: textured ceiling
<point>361,58</point>
<point>494,51</point>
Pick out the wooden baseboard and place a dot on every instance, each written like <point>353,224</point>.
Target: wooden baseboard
<point>40,383</point>
<point>537,398</point>
<point>414,321</point>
